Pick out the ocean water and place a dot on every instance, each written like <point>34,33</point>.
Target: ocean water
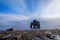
<point>25,25</point>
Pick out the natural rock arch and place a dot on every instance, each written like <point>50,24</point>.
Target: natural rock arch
<point>35,24</point>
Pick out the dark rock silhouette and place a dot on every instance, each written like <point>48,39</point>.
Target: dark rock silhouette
<point>10,29</point>
<point>36,24</point>
<point>49,36</point>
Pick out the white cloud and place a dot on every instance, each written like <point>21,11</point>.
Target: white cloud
<point>13,17</point>
<point>52,10</point>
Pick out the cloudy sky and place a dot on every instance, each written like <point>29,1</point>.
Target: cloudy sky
<point>19,13</point>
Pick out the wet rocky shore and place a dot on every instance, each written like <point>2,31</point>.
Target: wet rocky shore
<point>43,34</point>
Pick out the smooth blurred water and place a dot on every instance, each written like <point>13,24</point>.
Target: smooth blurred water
<point>25,25</point>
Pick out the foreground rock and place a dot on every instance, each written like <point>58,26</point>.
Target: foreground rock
<point>30,35</point>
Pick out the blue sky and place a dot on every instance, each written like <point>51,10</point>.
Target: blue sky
<point>19,13</point>
<point>20,6</point>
